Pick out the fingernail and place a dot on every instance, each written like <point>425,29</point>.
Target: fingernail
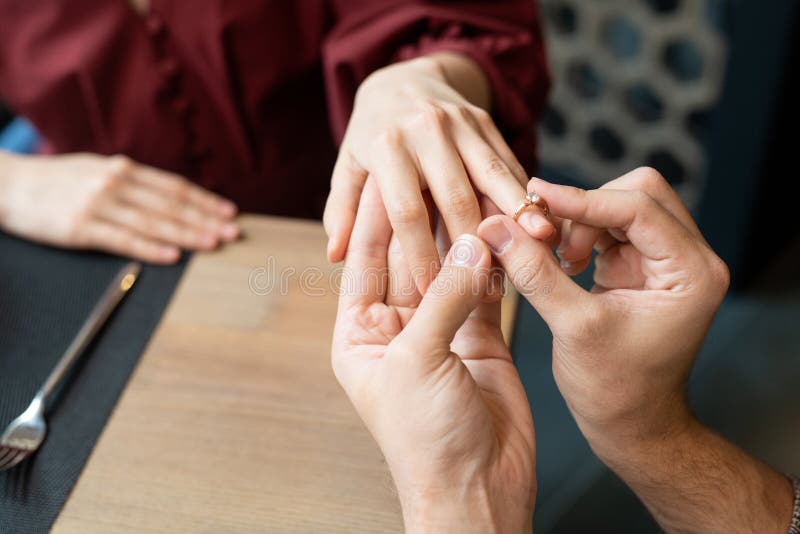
<point>536,224</point>
<point>170,254</point>
<point>465,252</point>
<point>566,265</point>
<point>230,231</point>
<point>496,235</point>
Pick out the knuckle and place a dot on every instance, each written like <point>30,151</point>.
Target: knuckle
<point>389,140</point>
<point>120,166</point>
<point>720,274</point>
<point>405,212</point>
<point>181,199</point>
<point>496,168</point>
<point>112,182</point>
<point>528,276</point>
<point>431,117</point>
<point>462,111</point>
<point>649,180</point>
<point>461,204</point>
<point>483,117</point>
<point>429,64</point>
<point>121,162</point>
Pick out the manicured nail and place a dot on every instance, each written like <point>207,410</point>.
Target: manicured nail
<point>465,252</point>
<point>536,224</point>
<point>496,235</point>
<point>566,265</point>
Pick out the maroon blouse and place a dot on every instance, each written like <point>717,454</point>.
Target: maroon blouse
<point>247,97</point>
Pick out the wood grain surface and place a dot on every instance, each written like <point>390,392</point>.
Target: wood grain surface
<point>233,420</point>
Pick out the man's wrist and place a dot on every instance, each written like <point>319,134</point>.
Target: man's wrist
<point>635,448</point>
<point>472,508</point>
<point>624,436</point>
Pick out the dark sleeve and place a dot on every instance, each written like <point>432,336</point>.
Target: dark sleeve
<point>49,52</point>
<point>503,37</point>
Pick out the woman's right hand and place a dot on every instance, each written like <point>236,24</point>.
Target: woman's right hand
<point>113,204</point>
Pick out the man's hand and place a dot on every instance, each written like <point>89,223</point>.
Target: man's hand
<point>622,353</point>
<point>422,125</point>
<point>435,385</point>
<point>111,204</point>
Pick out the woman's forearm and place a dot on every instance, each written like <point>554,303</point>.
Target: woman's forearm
<point>6,160</point>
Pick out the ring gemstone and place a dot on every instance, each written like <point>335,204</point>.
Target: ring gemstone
<point>532,197</point>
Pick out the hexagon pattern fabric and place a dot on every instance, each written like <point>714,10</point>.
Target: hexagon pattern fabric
<point>634,82</point>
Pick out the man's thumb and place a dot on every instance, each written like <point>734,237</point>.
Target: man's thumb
<point>458,288</point>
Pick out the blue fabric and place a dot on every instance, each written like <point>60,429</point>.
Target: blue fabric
<point>19,136</point>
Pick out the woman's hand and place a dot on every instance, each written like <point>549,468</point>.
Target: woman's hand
<point>413,128</point>
<point>111,204</point>
<point>436,386</point>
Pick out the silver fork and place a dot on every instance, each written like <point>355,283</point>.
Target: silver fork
<point>25,433</point>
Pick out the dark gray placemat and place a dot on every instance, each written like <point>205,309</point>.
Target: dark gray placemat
<point>45,295</point>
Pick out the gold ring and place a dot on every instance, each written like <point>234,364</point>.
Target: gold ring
<point>532,199</point>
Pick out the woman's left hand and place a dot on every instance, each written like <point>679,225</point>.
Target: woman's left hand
<point>412,130</point>
<point>435,385</point>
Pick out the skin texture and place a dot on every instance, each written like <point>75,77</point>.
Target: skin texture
<point>112,204</point>
<point>436,386</point>
<point>622,353</point>
<point>422,127</point>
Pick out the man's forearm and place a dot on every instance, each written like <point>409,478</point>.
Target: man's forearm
<point>696,481</point>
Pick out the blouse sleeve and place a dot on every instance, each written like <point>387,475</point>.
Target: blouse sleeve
<point>503,37</point>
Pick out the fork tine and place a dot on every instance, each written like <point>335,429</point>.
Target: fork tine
<point>5,451</point>
<point>21,455</point>
<point>8,458</point>
<point>6,454</point>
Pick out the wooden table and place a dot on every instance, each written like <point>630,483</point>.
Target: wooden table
<point>233,420</point>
